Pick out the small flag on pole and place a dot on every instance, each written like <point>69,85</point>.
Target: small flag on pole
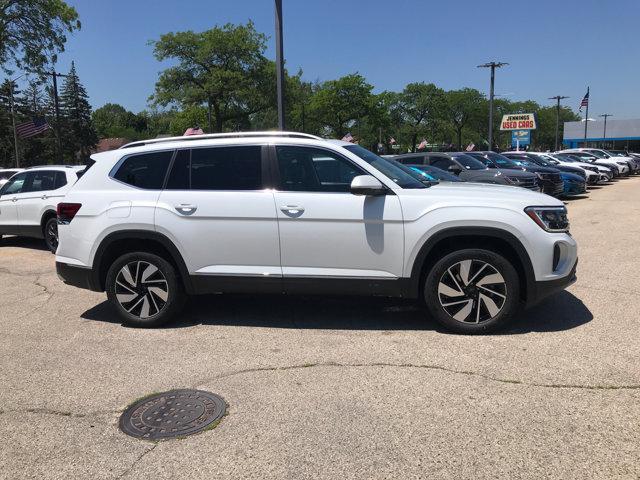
<point>34,127</point>
<point>193,131</point>
<point>423,144</point>
<point>392,141</point>
<point>470,147</point>
<point>585,101</point>
<point>347,138</point>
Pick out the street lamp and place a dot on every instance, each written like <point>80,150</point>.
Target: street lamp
<point>13,117</point>
<point>558,98</point>
<point>279,64</point>
<point>492,66</point>
<point>604,134</point>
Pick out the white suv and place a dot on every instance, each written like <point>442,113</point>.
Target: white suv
<point>293,213</point>
<point>29,199</point>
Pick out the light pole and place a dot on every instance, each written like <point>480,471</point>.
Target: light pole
<point>13,117</point>
<point>604,134</point>
<point>279,65</point>
<point>558,98</point>
<point>492,66</point>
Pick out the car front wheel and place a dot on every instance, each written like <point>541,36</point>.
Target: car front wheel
<point>472,291</point>
<point>144,289</point>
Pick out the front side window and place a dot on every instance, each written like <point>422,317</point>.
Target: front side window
<point>15,185</point>
<point>304,169</point>
<point>220,168</point>
<point>145,171</point>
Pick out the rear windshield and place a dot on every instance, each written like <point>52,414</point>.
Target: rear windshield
<point>397,172</point>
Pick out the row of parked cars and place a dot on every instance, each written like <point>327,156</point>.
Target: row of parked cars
<point>561,174</point>
<point>291,213</point>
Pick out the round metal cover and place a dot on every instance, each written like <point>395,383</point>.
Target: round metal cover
<point>172,414</point>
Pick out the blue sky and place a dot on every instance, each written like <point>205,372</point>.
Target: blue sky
<point>554,47</point>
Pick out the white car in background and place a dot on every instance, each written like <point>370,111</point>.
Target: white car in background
<point>620,165</point>
<point>28,201</point>
<point>6,174</point>
<point>591,174</point>
<point>605,174</point>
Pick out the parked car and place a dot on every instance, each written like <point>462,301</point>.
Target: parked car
<point>634,162</point>
<point>621,166</point>
<point>6,174</point>
<point>573,184</point>
<point>293,213</point>
<point>434,174</point>
<point>589,173</point>
<point>469,169</point>
<point>548,178</point>
<point>29,199</point>
<point>539,159</point>
<point>611,170</point>
<point>602,174</point>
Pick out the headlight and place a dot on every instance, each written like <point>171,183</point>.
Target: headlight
<point>551,219</point>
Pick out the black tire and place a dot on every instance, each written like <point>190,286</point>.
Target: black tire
<point>477,308</point>
<point>144,297</point>
<point>50,232</point>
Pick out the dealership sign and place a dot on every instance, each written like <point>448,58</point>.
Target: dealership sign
<point>518,121</point>
<point>520,138</point>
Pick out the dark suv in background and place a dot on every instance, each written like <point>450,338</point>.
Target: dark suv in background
<point>548,178</point>
<point>469,169</point>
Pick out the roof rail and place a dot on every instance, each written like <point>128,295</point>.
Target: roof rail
<point>53,166</point>
<point>220,135</point>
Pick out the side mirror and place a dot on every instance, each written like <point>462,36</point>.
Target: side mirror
<point>367,185</point>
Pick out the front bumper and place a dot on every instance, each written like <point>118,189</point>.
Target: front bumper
<point>541,290</point>
<point>574,188</point>
<point>81,277</point>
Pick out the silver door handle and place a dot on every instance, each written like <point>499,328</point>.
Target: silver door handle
<point>292,209</point>
<point>186,209</point>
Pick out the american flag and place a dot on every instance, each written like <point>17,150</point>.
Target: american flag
<point>34,127</point>
<point>470,147</point>
<point>585,101</point>
<point>423,144</point>
<point>347,138</point>
<point>193,131</point>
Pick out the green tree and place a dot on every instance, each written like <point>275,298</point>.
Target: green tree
<point>464,109</point>
<point>422,110</point>
<point>223,69</point>
<point>115,121</point>
<point>78,134</point>
<point>341,105</point>
<point>33,31</point>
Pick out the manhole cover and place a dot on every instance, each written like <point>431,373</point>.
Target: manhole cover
<point>172,414</point>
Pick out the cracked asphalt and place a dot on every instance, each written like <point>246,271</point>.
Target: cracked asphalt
<point>324,388</point>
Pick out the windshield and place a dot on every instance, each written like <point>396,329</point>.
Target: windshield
<point>468,162</point>
<point>435,173</point>
<point>401,175</point>
<point>617,153</point>
<point>598,154</point>
<point>544,160</point>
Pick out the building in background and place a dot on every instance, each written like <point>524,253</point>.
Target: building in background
<point>620,134</point>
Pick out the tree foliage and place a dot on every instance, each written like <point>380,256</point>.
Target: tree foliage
<point>77,130</point>
<point>32,32</point>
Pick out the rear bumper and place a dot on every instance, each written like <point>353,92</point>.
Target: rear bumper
<point>81,277</point>
<point>541,290</point>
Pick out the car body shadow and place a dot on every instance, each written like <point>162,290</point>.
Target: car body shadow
<point>560,312</point>
<point>24,242</point>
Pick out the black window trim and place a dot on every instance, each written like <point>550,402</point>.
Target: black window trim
<point>275,168</point>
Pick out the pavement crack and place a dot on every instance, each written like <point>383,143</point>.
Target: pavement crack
<point>136,461</point>
<point>426,367</point>
<point>59,413</point>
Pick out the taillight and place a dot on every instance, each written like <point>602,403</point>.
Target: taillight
<point>66,212</point>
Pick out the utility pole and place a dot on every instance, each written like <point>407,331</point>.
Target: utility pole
<point>605,115</point>
<point>56,106</point>
<point>279,65</point>
<point>492,66</point>
<point>558,98</point>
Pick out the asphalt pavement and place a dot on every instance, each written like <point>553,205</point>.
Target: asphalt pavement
<point>337,388</point>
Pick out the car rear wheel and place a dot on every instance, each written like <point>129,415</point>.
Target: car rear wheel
<point>51,234</point>
<point>144,289</point>
<point>472,291</point>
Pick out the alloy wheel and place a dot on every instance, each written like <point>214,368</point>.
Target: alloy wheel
<point>472,291</point>
<point>52,236</point>
<point>141,289</point>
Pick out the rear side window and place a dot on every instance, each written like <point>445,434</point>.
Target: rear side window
<point>60,181</point>
<point>221,168</point>
<point>144,171</point>
<point>40,181</point>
